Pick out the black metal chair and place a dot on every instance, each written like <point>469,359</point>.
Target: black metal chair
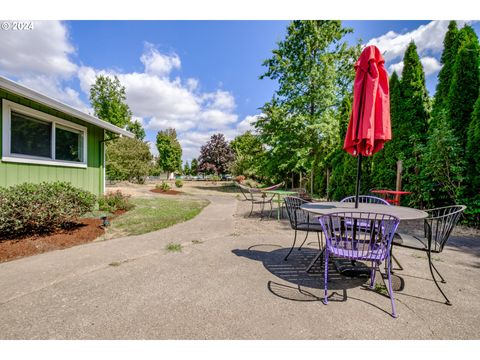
<point>301,220</point>
<point>366,199</point>
<point>256,197</point>
<point>437,229</point>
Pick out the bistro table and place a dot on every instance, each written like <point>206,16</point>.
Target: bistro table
<point>279,193</point>
<point>326,208</point>
<point>395,195</point>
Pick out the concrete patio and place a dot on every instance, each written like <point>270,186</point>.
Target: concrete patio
<point>229,282</point>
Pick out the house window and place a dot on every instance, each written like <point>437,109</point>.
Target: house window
<point>30,136</point>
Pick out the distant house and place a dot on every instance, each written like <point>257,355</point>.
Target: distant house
<point>43,139</point>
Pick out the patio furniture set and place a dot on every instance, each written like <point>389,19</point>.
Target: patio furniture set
<point>367,233</point>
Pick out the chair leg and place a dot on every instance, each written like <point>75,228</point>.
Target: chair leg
<point>306,236</point>
<point>372,275</point>
<point>430,265</point>
<point>443,281</point>
<point>261,211</point>
<point>390,290</point>
<point>294,241</point>
<point>325,278</point>
<point>251,210</point>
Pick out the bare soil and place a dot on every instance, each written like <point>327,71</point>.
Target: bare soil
<point>168,192</point>
<point>85,231</point>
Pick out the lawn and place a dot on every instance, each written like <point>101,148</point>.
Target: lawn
<point>152,214</point>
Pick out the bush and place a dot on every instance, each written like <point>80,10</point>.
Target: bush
<point>163,186</point>
<point>114,201</point>
<point>178,183</point>
<point>38,208</point>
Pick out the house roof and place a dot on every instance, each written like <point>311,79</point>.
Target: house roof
<point>17,89</point>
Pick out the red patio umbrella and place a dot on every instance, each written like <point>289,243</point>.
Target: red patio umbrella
<point>369,126</point>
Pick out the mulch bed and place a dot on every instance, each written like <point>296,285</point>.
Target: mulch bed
<point>84,232</point>
<point>168,192</point>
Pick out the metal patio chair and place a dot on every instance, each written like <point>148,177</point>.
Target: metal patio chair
<point>256,197</point>
<point>366,199</point>
<point>437,229</point>
<point>301,220</point>
<point>345,239</point>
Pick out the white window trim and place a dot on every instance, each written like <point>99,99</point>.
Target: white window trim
<point>7,108</point>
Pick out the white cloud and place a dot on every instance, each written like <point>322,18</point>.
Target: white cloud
<point>45,51</point>
<point>398,68</point>
<point>159,64</point>
<point>428,38</point>
<point>246,124</point>
<point>430,65</point>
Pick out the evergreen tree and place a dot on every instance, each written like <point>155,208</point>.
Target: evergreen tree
<point>186,169</point>
<point>449,54</point>
<point>194,167</point>
<point>410,130</point>
<point>384,167</point>
<point>473,151</point>
<point>464,88</point>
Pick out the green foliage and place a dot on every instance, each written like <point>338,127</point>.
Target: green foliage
<point>464,88</point>
<point>169,150</point>
<point>136,129</point>
<point>108,99</point>
<point>178,183</point>
<point>194,167</point>
<point>173,247</point>
<point>449,54</point>
<point>248,151</point>
<point>216,155</point>
<point>114,201</point>
<point>163,186</point>
<point>473,152</point>
<point>186,169</point>
<point>27,208</point>
<point>443,165</point>
<point>313,66</point>
<point>128,159</point>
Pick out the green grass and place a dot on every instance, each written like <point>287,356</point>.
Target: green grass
<point>152,214</point>
<point>172,247</point>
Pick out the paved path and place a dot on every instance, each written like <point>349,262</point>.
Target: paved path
<point>229,282</point>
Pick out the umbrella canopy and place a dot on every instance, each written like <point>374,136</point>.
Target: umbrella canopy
<point>369,126</point>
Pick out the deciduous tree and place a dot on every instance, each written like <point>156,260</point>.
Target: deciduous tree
<point>216,155</point>
<point>169,151</point>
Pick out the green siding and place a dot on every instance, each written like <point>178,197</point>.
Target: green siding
<point>90,178</point>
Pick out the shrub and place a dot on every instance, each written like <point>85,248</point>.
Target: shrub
<point>163,186</point>
<point>215,178</point>
<point>38,208</point>
<point>114,201</point>
<point>178,183</point>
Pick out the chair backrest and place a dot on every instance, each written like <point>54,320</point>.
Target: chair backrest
<point>245,191</point>
<point>296,215</point>
<point>273,187</point>
<point>346,237</point>
<point>366,199</point>
<point>440,223</point>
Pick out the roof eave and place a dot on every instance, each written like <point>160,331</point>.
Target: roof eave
<point>30,94</point>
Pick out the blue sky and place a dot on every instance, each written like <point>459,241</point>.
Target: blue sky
<point>200,77</point>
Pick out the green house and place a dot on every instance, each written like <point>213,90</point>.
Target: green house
<point>43,139</point>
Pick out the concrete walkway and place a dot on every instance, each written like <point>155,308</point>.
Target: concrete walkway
<point>229,282</point>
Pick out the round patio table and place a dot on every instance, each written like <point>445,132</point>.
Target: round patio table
<point>326,208</point>
<point>279,193</point>
<point>401,212</point>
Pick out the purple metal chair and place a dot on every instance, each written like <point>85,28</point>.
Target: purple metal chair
<point>345,237</point>
<point>366,199</point>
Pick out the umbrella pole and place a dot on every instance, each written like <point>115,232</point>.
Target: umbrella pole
<point>359,172</point>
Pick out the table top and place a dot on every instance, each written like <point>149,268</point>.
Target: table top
<point>280,192</point>
<point>393,192</point>
<point>402,212</point>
